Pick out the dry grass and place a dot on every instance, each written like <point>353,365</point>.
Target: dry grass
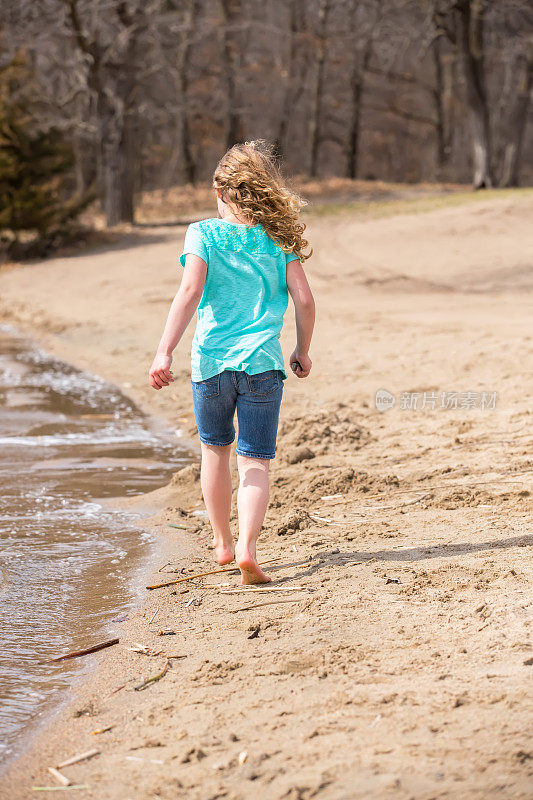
<point>326,196</point>
<point>329,196</point>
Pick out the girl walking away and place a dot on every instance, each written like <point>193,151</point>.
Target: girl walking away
<point>239,270</point>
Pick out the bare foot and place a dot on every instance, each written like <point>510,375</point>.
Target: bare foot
<point>224,553</point>
<point>250,570</point>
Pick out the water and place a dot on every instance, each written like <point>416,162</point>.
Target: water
<point>67,440</point>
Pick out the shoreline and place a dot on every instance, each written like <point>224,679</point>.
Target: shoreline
<point>391,656</point>
<point>48,734</point>
<point>160,550</point>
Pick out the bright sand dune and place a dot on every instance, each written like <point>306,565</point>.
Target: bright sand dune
<point>401,669</point>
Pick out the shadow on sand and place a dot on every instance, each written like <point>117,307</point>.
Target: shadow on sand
<point>422,553</point>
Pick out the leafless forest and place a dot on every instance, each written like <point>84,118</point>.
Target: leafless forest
<point>149,93</point>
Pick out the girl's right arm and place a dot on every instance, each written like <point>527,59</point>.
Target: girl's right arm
<point>180,314</point>
<point>304,309</point>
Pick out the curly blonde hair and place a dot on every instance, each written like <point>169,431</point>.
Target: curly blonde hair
<point>251,183</point>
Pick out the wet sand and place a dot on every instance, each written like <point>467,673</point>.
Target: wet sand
<point>400,666</point>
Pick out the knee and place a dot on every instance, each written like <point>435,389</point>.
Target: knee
<point>247,463</point>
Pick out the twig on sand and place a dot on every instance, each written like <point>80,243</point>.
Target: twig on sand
<point>60,788</point>
<point>59,776</point>
<point>322,519</point>
<point>268,603</point>
<point>182,630</point>
<point>102,730</point>
<point>253,590</point>
<point>84,652</point>
<point>217,586</point>
<point>79,757</point>
<point>202,575</point>
<point>117,689</point>
<point>402,505</point>
<point>173,525</point>
<point>154,678</point>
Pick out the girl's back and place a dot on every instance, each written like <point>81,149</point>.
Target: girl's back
<point>240,314</point>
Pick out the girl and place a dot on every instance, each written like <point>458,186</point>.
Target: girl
<point>238,269</point>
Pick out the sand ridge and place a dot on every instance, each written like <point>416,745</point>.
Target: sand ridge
<point>400,666</point>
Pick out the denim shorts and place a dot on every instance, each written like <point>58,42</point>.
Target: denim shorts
<point>257,399</point>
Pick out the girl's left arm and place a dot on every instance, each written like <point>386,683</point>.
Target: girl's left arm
<point>181,311</point>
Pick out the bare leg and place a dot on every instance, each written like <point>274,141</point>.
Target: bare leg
<point>215,479</point>
<point>252,501</point>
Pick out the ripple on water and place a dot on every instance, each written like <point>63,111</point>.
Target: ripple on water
<point>67,440</point>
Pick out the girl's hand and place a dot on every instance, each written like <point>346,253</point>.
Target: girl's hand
<point>300,364</point>
<point>160,374</point>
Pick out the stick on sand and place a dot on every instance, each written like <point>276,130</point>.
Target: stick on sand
<point>78,758</point>
<point>253,590</point>
<point>268,603</point>
<point>154,678</point>
<point>202,575</point>
<point>60,788</point>
<point>84,652</point>
<point>63,780</point>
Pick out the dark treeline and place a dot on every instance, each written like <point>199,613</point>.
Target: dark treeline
<point>149,93</point>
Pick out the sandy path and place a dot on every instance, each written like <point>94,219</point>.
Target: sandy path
<point>401,669</point>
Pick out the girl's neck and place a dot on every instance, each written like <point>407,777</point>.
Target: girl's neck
<point>229,216</point>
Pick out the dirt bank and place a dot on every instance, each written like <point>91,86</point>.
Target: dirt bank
<point>400,666</point>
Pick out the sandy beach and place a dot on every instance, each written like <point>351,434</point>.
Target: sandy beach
<point>391,656</point>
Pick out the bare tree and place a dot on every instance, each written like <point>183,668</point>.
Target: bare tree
<point>108,44</point>
<point>176,31</point>
<point>295,72</point>
<point>317,90</point>
<point>362,36</point>
<point>463,23</point>
<point>442,95</point>
<point>518,121</point>
<point>232,12</point>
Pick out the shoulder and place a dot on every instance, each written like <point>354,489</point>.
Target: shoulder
<point>205,229</point>
<point>206,225</point>
<point>201,226</point>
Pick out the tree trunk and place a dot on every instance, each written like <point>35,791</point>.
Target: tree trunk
<point>113,83</point>
<point>357,83</point>
<point>354,125</point>
<point>117,200</point>
<point>115,162</point>
<point>232,13</point>
<point>296,73</point>
<point>187,159</point>
<point>471,44</point>
<point>318,89</point>
<point>512,156</point>
<point>188,164</point>
<point>128,166</point>
<point>439,105</point>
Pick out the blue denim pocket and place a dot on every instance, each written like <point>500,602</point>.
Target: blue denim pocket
<point>208,388</point>
<point>264,383</point>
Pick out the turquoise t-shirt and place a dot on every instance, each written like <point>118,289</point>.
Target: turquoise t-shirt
<point>240,314</point>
